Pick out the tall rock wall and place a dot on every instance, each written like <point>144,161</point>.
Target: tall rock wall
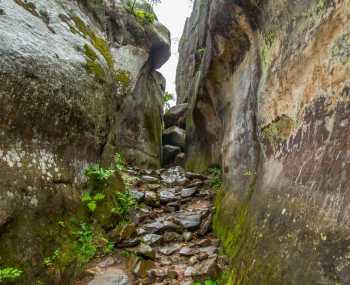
<point>269,96</point>
<point>78,83</point>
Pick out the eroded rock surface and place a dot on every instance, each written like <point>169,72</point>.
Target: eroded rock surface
<point>269,101</point>
<point>77,84</point>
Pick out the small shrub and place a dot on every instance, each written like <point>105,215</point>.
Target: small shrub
<point>10,274</point>
<point>91,200</point>
<point>98,176</point>
<point>119,162</point>
<point>85,245</point>
<point>125,203</point>
<point>167,98</point>
<point>142,16</point>
<point>216,177</point>
<point>51,260</point>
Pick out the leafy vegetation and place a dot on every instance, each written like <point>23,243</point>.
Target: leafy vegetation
<point>125,202</point>
<point>98,176</point>
<point>167,98</point>
<point>143,15</point>
<point>216,177</point>
<point>91,201</point>
<point>10,274</point>
<point>207,282</point>
<point>85,245</point>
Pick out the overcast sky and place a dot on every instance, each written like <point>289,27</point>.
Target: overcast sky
<point>173,14</point>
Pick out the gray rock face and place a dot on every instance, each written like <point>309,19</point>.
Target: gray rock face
<point>175,136</point>
<point>176,116</point>
<point>266,102</point>
<point>77,84</point>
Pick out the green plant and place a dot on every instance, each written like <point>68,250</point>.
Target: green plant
<point>10,274</point>
<point>119,162</point>
<point>125,202</point>
<point>143,15</point>
<point>91,200</point>
<point>207,282</point>
<point>167,98</point>
<point>108,248</point>
<point>216,177</point>
<point>98,176</point>
<point>85,246</point>
<point>50,260</point>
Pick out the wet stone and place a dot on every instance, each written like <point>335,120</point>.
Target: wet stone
<point>188,192</point>
<point>160,227</point>
<point>169,249</point>
<point>138,195</point>
<point>149,179</point>
<point>171,236</point>
<point>151,239</point>
<point>189,221</point>
<point>146,251</point>
<point>115,277</point>
<point>187,236</point>
<point>206,225</point>
<point>143,267</point>
<point>166,196</point>
<point>128,243</point>
<point>151,199</point>
<point>187,251</point>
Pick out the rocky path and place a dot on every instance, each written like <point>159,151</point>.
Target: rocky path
<point>169,240</point>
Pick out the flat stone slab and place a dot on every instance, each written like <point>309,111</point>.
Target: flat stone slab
<point>115,277</point>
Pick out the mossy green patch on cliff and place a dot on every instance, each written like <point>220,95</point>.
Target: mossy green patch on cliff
<point>29,6</point>
<point>92,64</point>
<point>235,226</point>
<point>99,43</point>
<point>341,49</point>
<point>278,130</point>
<point>265,50</point>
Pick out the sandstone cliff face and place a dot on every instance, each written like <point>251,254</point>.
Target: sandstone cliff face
<point>78,82</point>
<point>269,96</point>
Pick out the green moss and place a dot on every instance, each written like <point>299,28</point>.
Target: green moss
<point>29,6</point>
<point>95,68</point>
<point>341,49</point>
<point>89,52</point>
<point>123,80</point>
<point>265,50</point>
<point>235,226</point>
<point>99,43</point>
<point>280,129</point>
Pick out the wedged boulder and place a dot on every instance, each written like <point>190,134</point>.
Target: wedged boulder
<point>176,116</point>
<point>175,136</point>
<point>180,159</point>
<point>170,152</point>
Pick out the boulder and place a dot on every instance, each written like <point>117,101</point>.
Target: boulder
<point>176,116</point>
<point>170,152</point>
<point>180,159</point>
<point>174,136</point>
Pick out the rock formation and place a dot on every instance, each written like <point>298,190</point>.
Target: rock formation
<point>268,95</point>
<point>78,83</point>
